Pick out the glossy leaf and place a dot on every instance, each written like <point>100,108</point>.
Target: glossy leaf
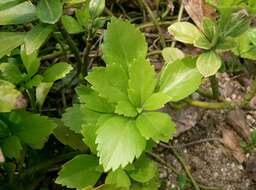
<point>172,54</point>
<point>57,71</point>
<point>121,146</point>
<point>119,178</point>
<point>10,72</point>
<point>81,171</point>
<point>20,14</point>
<point>184,32</point>
<point>89,133</point>
<point>208,63</point>
<point>10,41</point>
<point>202,42</point>
<point>156,101</point>
<point>123,43</point>
<point>180,79</point>
<point>71,24</point>
<point>96,7</point>
<point>156,126</point>
<point>49,11</point>
<point>42,91</point>
<point>4,4</point>
<point>35,38</point>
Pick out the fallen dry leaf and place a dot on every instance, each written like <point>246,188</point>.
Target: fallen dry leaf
<point>231,141</point>
<point>237,119</point>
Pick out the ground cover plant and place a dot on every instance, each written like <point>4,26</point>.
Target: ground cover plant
<point>84,87</point>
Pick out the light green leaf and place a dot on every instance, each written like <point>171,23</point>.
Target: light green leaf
<point>19,14</point>
<point>180,79</point>
<point>142,81</point>
<point>96,7</point>
<point>81,171</point>
<point>156,101</point>
<point>184,32</point>
<point>123,43</point>
<point>73,1</point>
<point>10,72</point>
<point>71,24</point>
<point>226,44</point>
<point>210,29</point>
<point>36,37</point>
<point>83,15</point>
<point>11,147</point>
<point>156,125</point>
<point>172,54</point>
<point>33,129</point>
<point>4,4</point>
<point>208,63</point>
<point>42,91</point>
<point>10,41</point>
<point>89,134</point>
<point>30,61</point>
<point>119,143</point>
<point>145,170</point>
<point>202,42</point>
<point>110,82</point>
<point>118,178</point>
<point>49,11</point>
<point>93,101</point>
<point>10,98</point>
<point>126,108</point>
<point>34,82</point>
<point>57,71</point>
<point>68,137</point>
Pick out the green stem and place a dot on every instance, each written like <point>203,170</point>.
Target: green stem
<point>211,105</point>
<point>72,46</point>
<point>179,19</point>
<point>214,86</point>
<point>86,53</point>
<point>154,20</point>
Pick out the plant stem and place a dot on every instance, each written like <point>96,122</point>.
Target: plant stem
<point>72,46</point>
<point>179,19</point>
<point>211,105</point>
<point>86,53</point>
<point>152,16</point>
<point>214,86</point>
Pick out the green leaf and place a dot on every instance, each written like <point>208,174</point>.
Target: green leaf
<point>210,29</point>
<point>89,134</point>
<point>49,11</point>
<point>36,37</point>
<point>4,4</point>
<point>110,82</point>
<point>10,98</point>
<point>10,41</point>
<point>123,43</point>
<point>118,178</point>
<point>145,170</point>
<point>119,143</point>
<point>156,101</point>
<point>142,81</point>
<point>96,7</point>
<point>19,14</point>
<point>57,71</point>
<point>33,129</point>
<point>30,61</point>
<point>180,79</point>
<point>156,125</point>
<point>68,137</point>
<point>71,24</point>
<point>208,63</point>
<point>126,108</point>
<point>73,1</point>
<point>42,91</point>
<point>11,147</point>
<point>184,32</point>
<point>226,44</point>
<point>83,15</point>
<point>73,118</point>
<point>10,72</point>
<point>93,101</point>
<point>202,42</point>
<point>172,54</point>
<point>81,171</point>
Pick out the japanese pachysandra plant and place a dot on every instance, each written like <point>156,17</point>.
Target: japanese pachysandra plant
<point>118,112</point>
